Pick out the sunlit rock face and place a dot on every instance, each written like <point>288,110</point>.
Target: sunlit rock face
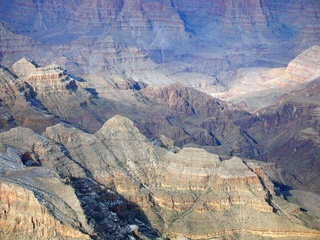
<point>190,193</point>
<point>22,213</point>
<point>304,66</point>
<point>74,163</point>
<point>256,88</point>
<point>18,106</point>
<point>57,92</point>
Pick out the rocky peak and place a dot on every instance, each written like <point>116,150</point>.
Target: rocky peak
<point>118,125</point>
<point>19,103</point>
<point>159,188</point>
<point>29,71</point>
<point>23,68</point>
<point>187,100</point>
<point>44,79</point>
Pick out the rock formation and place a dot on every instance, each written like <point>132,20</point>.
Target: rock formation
<point>163,111</point>
<point>19,106</point>
<point>180,113</point>
<point>57,194</point>
<point>191,193</point>
<point>23,214</point>
<point>188,100</point>
<point>304,66</point>
<point>75,164</point>
<point>60,93</point>
<point>13,44</point>
<point>298,112</point>
<point>237,33</point>
<point>257,88</point>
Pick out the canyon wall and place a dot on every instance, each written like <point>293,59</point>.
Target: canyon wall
<point>175,193</point>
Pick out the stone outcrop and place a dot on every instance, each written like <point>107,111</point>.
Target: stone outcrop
<point>187,100</point>
<point>23,68</point>
<point>19,106</point>
<point>72,204</point>
<point>60,93</point>
<point>23,214</point>
<point>177,112</point>
<point>299,112</point>
<point>304,66</point>
<point>206,112</point>
<point>166,190</point>
<point>51,77</point>
<point>164,111</point>
<point>176,193</point>
<point>117,43</point>
<point>257,88</point>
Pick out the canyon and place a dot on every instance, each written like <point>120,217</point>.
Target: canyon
<point>120,183</point>
<point>75,174</point>
<point>148,119</point>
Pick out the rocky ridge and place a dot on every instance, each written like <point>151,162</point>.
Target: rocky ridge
<point>60,94</point>
<point>162,32</point>
<point>298,112</point>
<point>12,44</point>
<point>163,42</point>
<point>123,160</point>
<point>17,95</point>
<point>23,214</point>
<point>180,113</point>
<point>257,88</point>
<point>64,96</point>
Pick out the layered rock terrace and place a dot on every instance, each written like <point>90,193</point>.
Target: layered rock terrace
<point>173,190</point>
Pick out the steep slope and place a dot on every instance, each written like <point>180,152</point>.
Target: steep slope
<point>13,44</point>
<point>305,65</point>
<point>42,175</point>
<point>289,134</point>
<point>256,88</point>
<point>191,193</point>
<point>182,114</point>
<point>23,214</point>
<point>177,112</point>
<point>221,120</point>
<point>18,105</point>
<point>208,36</point>
<point>61,94</point>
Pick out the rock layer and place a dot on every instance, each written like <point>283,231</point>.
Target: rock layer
<point>23,214</point>
<point>173,190</point>
<point>237,33</point>
<point>304,66</point>
<point>19,105</point>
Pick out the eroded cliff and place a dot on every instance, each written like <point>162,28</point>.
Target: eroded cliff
<point>190,193</point>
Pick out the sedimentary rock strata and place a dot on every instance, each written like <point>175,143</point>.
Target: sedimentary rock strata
<point>12,44</point>
<point>177,193</point>
<point>23,214</point>
<point>18,104</point>
<point>93,178</point>
<point>304,66</point>
<point>298,112</point>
